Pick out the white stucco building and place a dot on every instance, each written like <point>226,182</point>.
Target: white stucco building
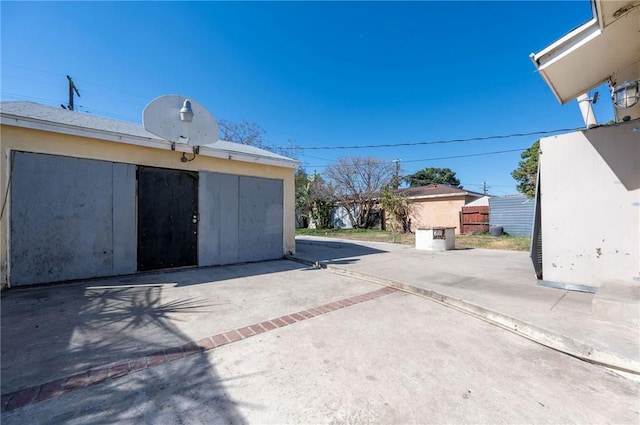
<point>587,226</point>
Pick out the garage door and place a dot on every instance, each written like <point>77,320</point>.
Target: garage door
<point>71,218</point>
<point>241,219</point>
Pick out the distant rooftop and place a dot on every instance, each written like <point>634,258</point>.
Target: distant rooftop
<point>20,113</point>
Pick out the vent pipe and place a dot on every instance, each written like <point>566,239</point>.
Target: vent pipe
<point>586,108</point>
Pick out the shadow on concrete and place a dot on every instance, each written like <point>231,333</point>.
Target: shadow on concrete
<point>54,332</point>
<point>185,391</point>
<point>332,252</point>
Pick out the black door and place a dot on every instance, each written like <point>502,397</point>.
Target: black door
<point>167,218</point>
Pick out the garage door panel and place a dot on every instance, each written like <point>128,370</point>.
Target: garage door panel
<point>124,219</point>
<point>260,218</point>
<point>229,226</point>
<point>218,229</point>
<point>61,218</point>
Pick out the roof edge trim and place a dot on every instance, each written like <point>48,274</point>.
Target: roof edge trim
<point>441,195</point>
<point>37,124</point>
<point>563,47</point>
<point>566,44</point>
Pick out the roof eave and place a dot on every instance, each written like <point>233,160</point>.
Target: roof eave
<point>150,142</point>
<point>563,47</point>
<point>440,195</point>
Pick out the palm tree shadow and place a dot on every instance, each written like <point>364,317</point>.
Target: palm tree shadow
<point>188,390</point>
<point>102,325</point>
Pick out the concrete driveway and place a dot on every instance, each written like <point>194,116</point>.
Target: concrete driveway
<point>278,342</point>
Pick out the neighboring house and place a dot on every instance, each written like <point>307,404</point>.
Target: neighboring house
<point>587,224</point>
<point>341,218</point>
<point>437,205</point>
<point>514,213</point>
<point>480,202</point>
<point>88,196</point>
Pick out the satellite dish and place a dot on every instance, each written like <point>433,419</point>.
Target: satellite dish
<point>180,119</point>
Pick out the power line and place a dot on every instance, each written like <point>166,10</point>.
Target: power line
<point>492,185</point>
<point>62,75</point>
<point>19,96</point>
<point>448,157</point>
<point>301,148</point>
<point>53,102</point>
<point>467,155</point>
<point>31,68</point>
<point>436,142</point>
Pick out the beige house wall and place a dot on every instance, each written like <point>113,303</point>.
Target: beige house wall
<point>590,203</point>
<point>37,141</point>
<point>437,212</point>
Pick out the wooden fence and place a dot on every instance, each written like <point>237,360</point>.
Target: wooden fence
<point>474,220</point>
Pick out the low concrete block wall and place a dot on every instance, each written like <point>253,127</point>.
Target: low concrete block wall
<point>436,239</point>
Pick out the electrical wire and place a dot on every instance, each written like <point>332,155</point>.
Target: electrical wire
<point>63,76</point>
<point>302,148</point>
<point>467,155</point>
<point>438,142</point>
<point>447,157</point>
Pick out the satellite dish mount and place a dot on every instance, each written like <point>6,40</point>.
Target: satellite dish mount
<point>180,120</point>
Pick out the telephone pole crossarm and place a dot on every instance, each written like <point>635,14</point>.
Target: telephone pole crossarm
<point>72,90</point>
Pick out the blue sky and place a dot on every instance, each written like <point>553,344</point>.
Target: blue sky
<point>322,74</point>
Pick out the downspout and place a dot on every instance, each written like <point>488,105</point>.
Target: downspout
<point>589,117</point>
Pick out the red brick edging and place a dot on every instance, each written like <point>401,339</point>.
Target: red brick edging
<point>96,375</point>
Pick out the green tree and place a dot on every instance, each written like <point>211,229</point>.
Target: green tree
<point>315,199</point>
<point>397,208</point>
<point>527,172</point>
<point>433,175</point>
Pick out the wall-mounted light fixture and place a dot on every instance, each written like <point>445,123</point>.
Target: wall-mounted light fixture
<point>626,95</point>
<point>186,113</point>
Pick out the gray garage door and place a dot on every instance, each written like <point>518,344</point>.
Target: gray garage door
<point>70,218</point>
<point>241,219</point>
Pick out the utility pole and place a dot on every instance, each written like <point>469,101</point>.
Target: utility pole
<point>485,187</point>
<point>396,175</point>
<point>72,89</point>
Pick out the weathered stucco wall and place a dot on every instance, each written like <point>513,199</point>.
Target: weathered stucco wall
<point>437,212</point>
<point>28,140</point>
<point>590,203</point>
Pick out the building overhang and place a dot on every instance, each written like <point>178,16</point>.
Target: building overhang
<point>604,49</point>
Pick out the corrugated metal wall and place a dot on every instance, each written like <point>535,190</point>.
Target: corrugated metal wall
<point>513,213</point>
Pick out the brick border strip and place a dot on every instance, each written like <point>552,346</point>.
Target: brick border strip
<point>37,393</point>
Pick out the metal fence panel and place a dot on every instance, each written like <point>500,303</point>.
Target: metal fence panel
<point>513,213</point>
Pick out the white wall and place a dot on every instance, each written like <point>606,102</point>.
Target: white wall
<point>341,219</point>
<point>590,203</point>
